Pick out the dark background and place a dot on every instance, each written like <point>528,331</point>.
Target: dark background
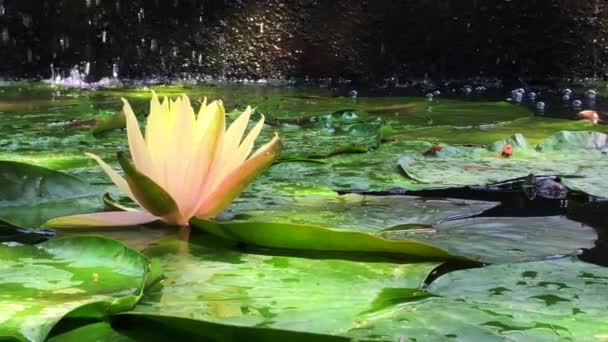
<point>360,40</point>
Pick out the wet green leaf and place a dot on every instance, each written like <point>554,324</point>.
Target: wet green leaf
<point>31,194</point>
<point>327,222</point>
<point>142,327</point>
<point>85,277</point>
<point>556,300</point>
<point>508,239</point>
<point>352,211</point>
<point>110,123</point>
<point>292,236</point>
<point>314,293</point>
<point>491,240</point>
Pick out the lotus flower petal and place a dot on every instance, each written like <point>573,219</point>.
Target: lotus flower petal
<point>188,164</point>
<point>137,145</point>
<point>102,219</point>
<point>234,183</point>
<point>120,182</point>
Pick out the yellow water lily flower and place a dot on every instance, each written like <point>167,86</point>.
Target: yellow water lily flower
<point>186,166</point>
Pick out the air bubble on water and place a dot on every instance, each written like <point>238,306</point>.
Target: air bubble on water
<point>540,106</point>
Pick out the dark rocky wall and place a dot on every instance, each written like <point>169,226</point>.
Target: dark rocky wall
<point>365,40</point>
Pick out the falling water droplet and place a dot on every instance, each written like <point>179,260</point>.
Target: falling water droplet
<point>115,70</point>
<point>5,35</point>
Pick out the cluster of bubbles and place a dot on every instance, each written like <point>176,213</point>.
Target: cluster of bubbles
<point>468,89</point>
<point>568,98</point>
<point>590,97</point>
<point>519,95</point>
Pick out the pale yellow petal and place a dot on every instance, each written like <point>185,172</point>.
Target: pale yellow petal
<point>233,184</point>
<point>207,148</point>
<point>137,145</point>
<point>154,119</point>
<point>247,145</point>
<point>181,142</point>
<point>156,136</point>
<point>102,219</point>
<point>120,182</point>
<point>235,132</point>
<point>225,162</point>
<point>204,114</point>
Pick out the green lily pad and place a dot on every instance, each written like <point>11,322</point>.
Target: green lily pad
<point>535,129</point>
<point>490,240</point>
<point>29,184</point>
<point>84,277</point>
<point>578,156</point>
<point>327,222</point>
<point>142,327</point>
<point>292,236</point>
<point>312,293</point>
<point>31,194</point>
<point>110,123</point>
<point>353,211</point>
<point>508,239</point>
<point>555,300</point>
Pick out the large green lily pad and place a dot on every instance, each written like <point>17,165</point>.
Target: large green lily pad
<point>312,293</point>
<point>31,194</point>
<point>315,238</point>
<point>88,277</point>
<point>508,239</point>
<point>29,184</point>
<point>298,221</point>
<point>327,222</point>
<point>353,211</point>
<point>556,300</point>
<point>578,156</point>
<point>153,328</point>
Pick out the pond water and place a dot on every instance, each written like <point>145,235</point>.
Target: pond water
<point>334,141</point>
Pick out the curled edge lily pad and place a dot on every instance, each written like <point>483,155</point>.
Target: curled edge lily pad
<point>32,194</point>
<point>30,184</point>
<point>316,238</point>
<point>83,277</point>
